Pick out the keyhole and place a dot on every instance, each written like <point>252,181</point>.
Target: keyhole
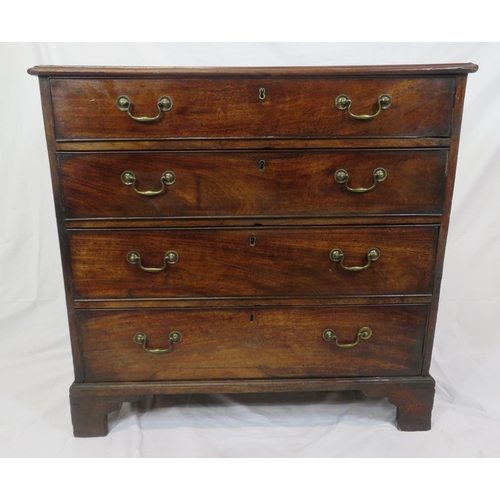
<point>251,318</point>
<point>262,93</point>
<point>262,164</point>
<point>253,239</point>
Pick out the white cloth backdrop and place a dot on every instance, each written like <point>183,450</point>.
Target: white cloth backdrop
<point>35,359</point>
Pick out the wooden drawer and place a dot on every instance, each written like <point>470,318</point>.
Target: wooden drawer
<point>252,343</point>
<point>252,184</point>
<point>86,109</point>
<point>256,262</point>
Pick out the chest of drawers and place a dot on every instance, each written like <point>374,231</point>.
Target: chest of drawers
<point>252,229</point>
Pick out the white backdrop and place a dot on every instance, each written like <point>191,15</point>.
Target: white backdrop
<point>35,359</point>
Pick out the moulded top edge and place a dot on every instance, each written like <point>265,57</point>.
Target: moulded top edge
<point>151,71</point>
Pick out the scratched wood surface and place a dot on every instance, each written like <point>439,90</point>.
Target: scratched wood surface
<point>252,343</point>
<point>85,109</point>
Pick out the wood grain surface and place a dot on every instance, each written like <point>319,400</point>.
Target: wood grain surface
<point>237,184</point>
<point>223,262</point>
<point>252,343</point>
<point>254,287</point>
<point>85,109</point>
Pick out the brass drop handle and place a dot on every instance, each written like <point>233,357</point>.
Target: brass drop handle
<point>171,257</point>
<point>343,102</point>
<point>365,333</point>
<point>337,255</point>
<point>167,179</point>
<point>173,338</point>
<point>164,103</point>
<point>342,177</point>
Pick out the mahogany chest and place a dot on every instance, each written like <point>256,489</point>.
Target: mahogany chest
<point>252,229</point>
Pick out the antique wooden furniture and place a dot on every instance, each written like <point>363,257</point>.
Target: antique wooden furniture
<point>252,229</point>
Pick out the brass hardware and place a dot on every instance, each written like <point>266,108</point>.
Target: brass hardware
<point>253,240</point>
<point>365,333</point>
<point>343,102</point>
<point>171,257</point>
<point>164,103</point>
<point>337,255</point>
<point>262,93</point>
<point>173,338</point>
<point>167,179</point>
<point>341,177</point>
<point>262,164</point>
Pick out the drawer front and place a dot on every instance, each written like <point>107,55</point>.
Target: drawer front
<point>252,343</point>
<point>252,184</point>
<point>234,108</point>
<point>256,262</point>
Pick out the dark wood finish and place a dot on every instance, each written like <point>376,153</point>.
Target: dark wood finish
<point>270,72</point>
<point>413,396</point>
<point>89,413</point>
<point>234,184</point>
<point>126,390</point>
<point>240,222</point>
<point>448,197</point>
<point>250,144</point>
<point>252,316</point>
<point>413,402</point>
<point>231,108</point>
<point>223,263</point>
<point>63,243</point>
<point>252,343</point>
<point>250,301</point>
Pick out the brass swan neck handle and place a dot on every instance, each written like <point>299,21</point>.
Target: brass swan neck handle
<point>173,338</point>
<point>337,255</point>
<point>343,102</point>
<point>164,103</point>
<point>167,179</point>
<point>364,333</point>
<point>171,257</point>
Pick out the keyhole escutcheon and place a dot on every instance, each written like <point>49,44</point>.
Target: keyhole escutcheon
<point>262,93</point>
